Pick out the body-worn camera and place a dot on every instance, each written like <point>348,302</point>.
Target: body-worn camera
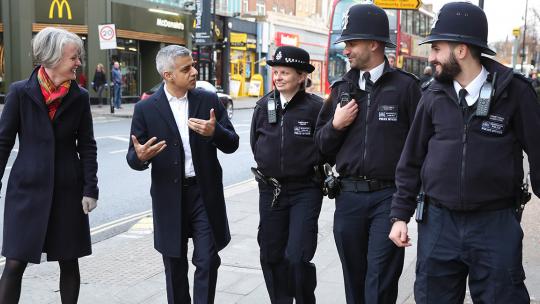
<point>344,99</point>
<point>420,207</point>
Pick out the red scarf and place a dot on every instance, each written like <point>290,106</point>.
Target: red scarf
<point>53,95</point>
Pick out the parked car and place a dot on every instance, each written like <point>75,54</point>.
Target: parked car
<point>225,99</point>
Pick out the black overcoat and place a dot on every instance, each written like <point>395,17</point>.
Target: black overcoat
<point>56,165</point>
<point>153,117</point>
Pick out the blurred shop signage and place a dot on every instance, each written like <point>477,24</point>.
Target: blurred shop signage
<point>170,24</point>
<point>287,39</point>
<point>203,33</point>
<point>238,41</point>
<point>107,36</point>
<point>398,4</point>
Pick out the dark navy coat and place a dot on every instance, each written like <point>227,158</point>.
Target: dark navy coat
<point>153,117</point>
<point>475,163</point>
<point>55,166</point>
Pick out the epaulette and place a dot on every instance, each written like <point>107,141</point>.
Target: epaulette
<point>315,97</point>
<point>523,78</point>
<point>333,84</point>
<point>409,74</point>
<point>426,84</point>
<point>264,97</point>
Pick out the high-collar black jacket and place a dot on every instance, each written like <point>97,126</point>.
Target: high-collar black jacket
<point>286,148</point>
<point>372,144</point>
<point>470,163</point>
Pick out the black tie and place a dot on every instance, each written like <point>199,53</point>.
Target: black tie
<point>369,83</point>
<point>462,100</point>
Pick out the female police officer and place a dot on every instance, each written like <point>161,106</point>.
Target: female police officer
<point>290,198</point>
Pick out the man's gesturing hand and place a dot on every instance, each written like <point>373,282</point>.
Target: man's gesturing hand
<point>345,116</point>
<point>149,149</point>
<point>203,127</point>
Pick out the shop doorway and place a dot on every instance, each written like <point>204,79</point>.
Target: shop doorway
<point>127,54</point>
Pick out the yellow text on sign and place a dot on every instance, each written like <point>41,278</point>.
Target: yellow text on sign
<point>60,9</point>
<point>398,4</point>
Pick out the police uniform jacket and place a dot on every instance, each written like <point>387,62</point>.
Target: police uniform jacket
<point>372,144</point>
<point>153,117</point>
<point>286,149</point>
<point>55,166</point>
<point>475,163</point>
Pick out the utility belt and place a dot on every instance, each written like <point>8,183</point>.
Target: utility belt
<point>277,183</point>
<point>361,184</point>
<point>487,206</point>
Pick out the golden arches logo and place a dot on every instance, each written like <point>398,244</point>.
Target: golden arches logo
<point>60,9</point>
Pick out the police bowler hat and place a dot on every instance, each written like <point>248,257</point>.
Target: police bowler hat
<point>461,22</point>
<point>293,57</point>
<point>365,22</point>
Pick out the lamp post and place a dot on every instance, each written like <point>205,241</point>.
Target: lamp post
<point>524,36</point>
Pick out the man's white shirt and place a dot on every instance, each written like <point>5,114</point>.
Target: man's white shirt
<point>180,110</point>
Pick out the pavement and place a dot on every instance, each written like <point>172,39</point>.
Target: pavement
<point>126,110</point>
<point>126,269</point>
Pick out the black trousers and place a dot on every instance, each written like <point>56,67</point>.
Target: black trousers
<point>205,256</point>
<point>485,246</point>
<point>288,239</point>
<point>371,263</point>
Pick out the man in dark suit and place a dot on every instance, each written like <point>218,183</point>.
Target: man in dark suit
<point>177,131</point>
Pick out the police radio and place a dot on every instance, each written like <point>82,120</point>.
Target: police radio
<point>272,109</point>
<point>344,99</point>
<point>486,95</point>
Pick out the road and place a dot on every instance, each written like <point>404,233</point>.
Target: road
<point>125,192</point>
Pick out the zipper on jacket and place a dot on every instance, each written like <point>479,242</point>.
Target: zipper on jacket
<point>366,135</point>
<point>463,156</point>
<point>282,142</point>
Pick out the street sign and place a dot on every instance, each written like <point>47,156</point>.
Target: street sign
<point>398,4</point>
<point>107,36</point>
<point>516,32</point>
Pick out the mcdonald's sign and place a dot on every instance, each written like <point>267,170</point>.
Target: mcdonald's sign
<point>60,4</point>
<point>61,11</point>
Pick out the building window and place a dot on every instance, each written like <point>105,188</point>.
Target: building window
<point>261,9</point>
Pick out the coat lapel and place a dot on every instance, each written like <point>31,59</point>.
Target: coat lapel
<point>34,91</point>
<point>193,103</point>
<point>162,104</point>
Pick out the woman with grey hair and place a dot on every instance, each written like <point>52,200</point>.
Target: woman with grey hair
<point>53,182</point>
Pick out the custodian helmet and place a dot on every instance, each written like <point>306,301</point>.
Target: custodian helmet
<point>365,22</point>
<point>461,22</point>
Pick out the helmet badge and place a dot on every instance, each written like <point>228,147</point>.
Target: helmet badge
<point>345,20</point>
<point>279,55</point>
<point>435,20</point>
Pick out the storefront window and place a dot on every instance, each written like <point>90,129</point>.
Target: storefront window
<point>127,54</point>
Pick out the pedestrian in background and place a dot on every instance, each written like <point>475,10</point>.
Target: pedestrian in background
<point>364,125</point>
<point>187,188</point>
<point>53,182</point>
<point>282,142</point>
<point>391,60</point>
<point>465,149</point>
<point>117,84</point>
<point>98,84</point>
<point>427,76</point>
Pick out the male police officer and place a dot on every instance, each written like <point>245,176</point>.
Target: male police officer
<point>465,149</point>
<point>367,134</point>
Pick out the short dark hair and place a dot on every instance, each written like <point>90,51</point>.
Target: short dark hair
<point>475,51</point>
